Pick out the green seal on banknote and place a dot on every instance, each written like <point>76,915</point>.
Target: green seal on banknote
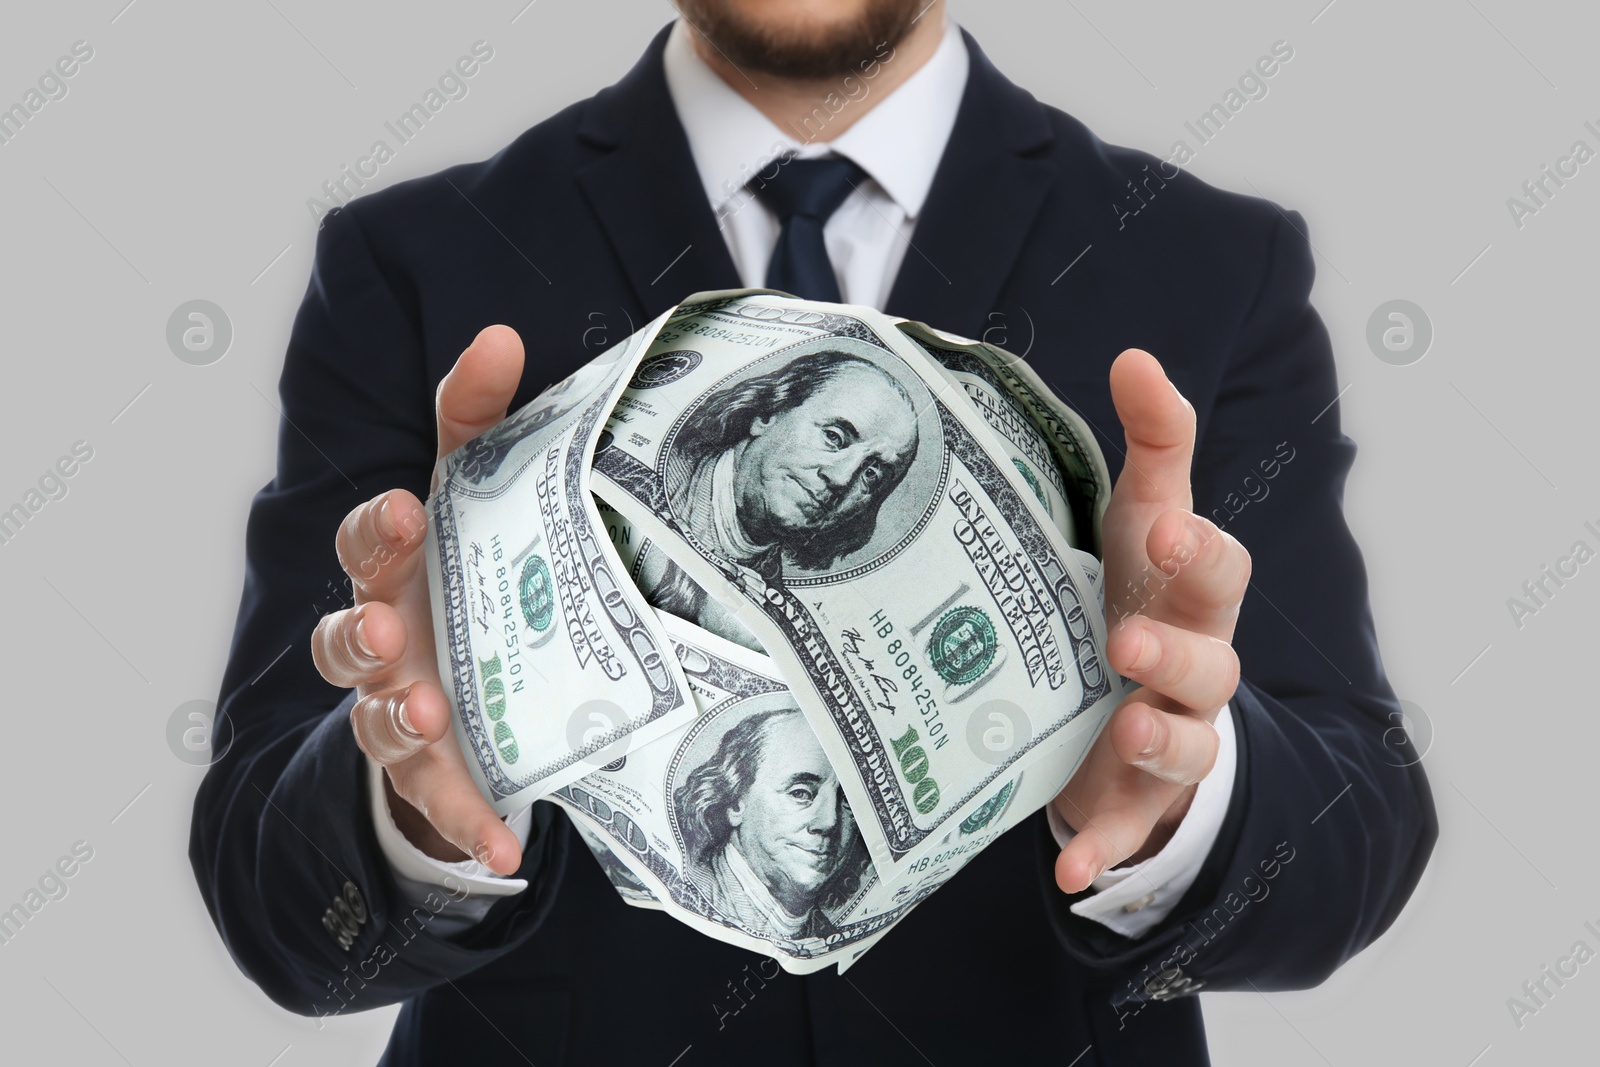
<point>537,594</point>
<point>1033,483</point>
<point>962,645</point>
<point>991,807</point>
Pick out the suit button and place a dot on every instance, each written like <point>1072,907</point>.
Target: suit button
<point>356,902</point>
<point>345,917</point>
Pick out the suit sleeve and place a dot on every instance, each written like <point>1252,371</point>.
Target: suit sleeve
<point>282,840</point>
<point>1330,821</point>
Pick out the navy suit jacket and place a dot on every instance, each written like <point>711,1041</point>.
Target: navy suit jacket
<point>1035,235</point>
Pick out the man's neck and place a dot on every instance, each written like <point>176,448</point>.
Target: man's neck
<point>792,103</point>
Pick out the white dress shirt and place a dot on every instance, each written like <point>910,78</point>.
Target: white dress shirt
<point>898,144</point>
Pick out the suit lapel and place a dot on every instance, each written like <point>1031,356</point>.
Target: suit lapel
<point>647,193</point>
<point>980,209</point>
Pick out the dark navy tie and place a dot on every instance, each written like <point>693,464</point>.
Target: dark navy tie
<point>803,195</point>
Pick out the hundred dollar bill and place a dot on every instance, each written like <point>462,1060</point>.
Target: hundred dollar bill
<point>647,566</point>
<point>813,473</point>
<point>1049,444</point>
<point>736,823</point>
<point>550,656</point>
<point>665,586</point>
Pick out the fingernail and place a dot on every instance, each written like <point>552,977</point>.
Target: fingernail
<point>1149,652</point>
<point>403,719</point>
<point>1154,743</point>
<point>385,522</point>
<point>362,644</point>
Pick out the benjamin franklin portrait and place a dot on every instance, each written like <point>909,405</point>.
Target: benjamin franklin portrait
<point>769,839</point>
<point>788,468</point>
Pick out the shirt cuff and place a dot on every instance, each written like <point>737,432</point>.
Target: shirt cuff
<point>1134,900</point>
<point>471,887</point>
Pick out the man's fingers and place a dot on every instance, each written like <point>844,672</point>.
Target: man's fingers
<point>356,646</point>
<point>1159,425</point>
<point>395,724</point>
<point>1196,670</point>
<point>377,544</point>
<point>475,394</point>
<point>1173,747</point>
<point>407,731</point>
<point>1110,834</point>
<point>1177,749</point>
<point>1207,572</point>
<point>439,785</point>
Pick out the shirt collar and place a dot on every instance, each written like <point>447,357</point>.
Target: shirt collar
<point>898,142</point>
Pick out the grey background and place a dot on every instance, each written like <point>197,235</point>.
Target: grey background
<point>178,166</point>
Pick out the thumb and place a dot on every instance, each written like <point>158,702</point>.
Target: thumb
<point>475,394</point>
<point>1159,425</point>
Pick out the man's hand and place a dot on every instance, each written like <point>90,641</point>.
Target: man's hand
<point>383,646</point>
<point>1174,583</point>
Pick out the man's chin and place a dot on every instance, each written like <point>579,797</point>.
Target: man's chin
<point>810,877</point>
<point>800,39</point>
<point>796,527</point>
<point>811,882</point>
<point>802,522</point>
<point>784,523</point>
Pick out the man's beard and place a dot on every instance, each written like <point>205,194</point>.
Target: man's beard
<point>790,53</point>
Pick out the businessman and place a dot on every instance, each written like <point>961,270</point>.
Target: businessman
<point>864,150</point>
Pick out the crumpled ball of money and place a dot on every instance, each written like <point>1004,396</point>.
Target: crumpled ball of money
<point>794,607</point>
